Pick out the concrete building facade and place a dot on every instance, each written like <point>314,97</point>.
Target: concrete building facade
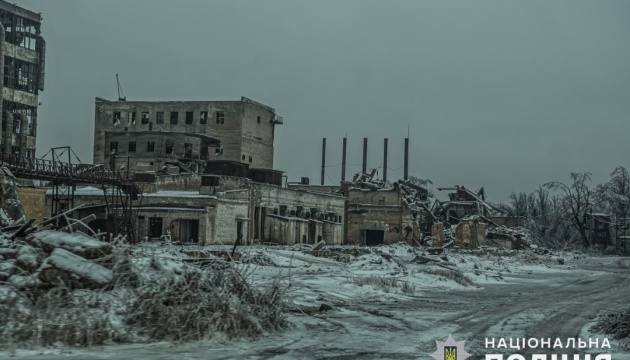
<point>22,64</point>
<point>245,129</point>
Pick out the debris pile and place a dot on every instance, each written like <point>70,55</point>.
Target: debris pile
<point>615,324</point>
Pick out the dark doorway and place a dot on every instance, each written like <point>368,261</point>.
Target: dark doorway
<point>189,231</point>
<point>239,232</point>
<point>312,230</point>
<point>155,228</point>
<point>374,237</point>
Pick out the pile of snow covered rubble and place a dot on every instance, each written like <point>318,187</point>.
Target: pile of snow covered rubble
<point>70,289</point>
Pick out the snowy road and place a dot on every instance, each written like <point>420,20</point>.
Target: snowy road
<point>554,304</point>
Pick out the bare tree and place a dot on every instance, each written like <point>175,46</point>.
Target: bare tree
<point>614,195</point>
<point>576,201</point>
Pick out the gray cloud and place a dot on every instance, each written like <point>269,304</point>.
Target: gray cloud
<point>505,95</point>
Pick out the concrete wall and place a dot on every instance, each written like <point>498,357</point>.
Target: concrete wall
<point>34,202</point>
<point>379,197</point>
<point>375,217</point>
<point>226,216</point>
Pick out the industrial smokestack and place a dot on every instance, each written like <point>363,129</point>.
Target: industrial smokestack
<point>385,160</point>
<point>365,154</point>
<point>343,160</point>
<point>406,176</point>
<point>323,159</point>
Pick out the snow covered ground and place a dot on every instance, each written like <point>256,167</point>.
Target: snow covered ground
<point>394,303</point>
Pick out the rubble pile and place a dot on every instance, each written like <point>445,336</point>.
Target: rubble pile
<point>615,324</point>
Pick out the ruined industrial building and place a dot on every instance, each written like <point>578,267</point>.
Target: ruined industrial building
<point>202,172</point>
<point>22,64</point>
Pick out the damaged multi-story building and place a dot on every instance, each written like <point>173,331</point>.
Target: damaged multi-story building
<point>22,65</point>
<point>175,135</point>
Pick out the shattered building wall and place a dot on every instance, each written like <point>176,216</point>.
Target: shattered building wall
<point>245,128</point>
<point>379,217</point>
<point>140,150</point>
<point>187,215</point>
<point>22,61</point>
<point>272,208</point>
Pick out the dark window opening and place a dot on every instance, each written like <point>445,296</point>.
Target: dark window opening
<point>16,126</point>
<point>203,118</point>
<point>113,147</point>
<point>159,117</point>
<point>15,150</point>
<point>150,146</point>
<point>169,146</point>
<point>258,119</point>
<point>174,117</point>
<point>209,181</point>
<point>189,117</point>
<point>220,117</point>
<point>243,157</point>
<point>145,117</point>
<point>116,118</point>
<point>132,146</point>
<point>250,159</point>
<point>132,118</point>
<point>187,150</point>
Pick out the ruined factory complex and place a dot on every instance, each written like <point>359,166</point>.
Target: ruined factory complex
<point>189,234</point>
<point>203,172</point>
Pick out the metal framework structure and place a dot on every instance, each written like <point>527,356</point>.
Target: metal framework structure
<point>119,187</point>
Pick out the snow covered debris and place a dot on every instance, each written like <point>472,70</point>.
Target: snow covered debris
<point>77,243</point>
<point>67,269</point>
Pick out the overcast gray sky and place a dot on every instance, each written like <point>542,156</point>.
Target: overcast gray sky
<point>501,94</point>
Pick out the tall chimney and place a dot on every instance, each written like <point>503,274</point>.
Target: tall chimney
<point>385,160</point>
<point>365,154</point>
<point>323,160</point>
<point>343,160</point>
<point>406,176</point>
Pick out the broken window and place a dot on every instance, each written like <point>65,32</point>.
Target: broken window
<point>30,153</point>
<point>203,118</point>
<point>174,117</point>
<point>189,117</point>
<point>188,150</point>
<point>169,146</point>
<point>21,75</point>
<point>15,150</point>
<point>113,147</point>
<point>221,118</point>
<point>132,117</point>
<point>19,30</point>
<point>132,146</point>
<point>159,117</point>
<point>16,126</point>
<point>116,118</point>
<point>150,146</point>
<point>145,117</point>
